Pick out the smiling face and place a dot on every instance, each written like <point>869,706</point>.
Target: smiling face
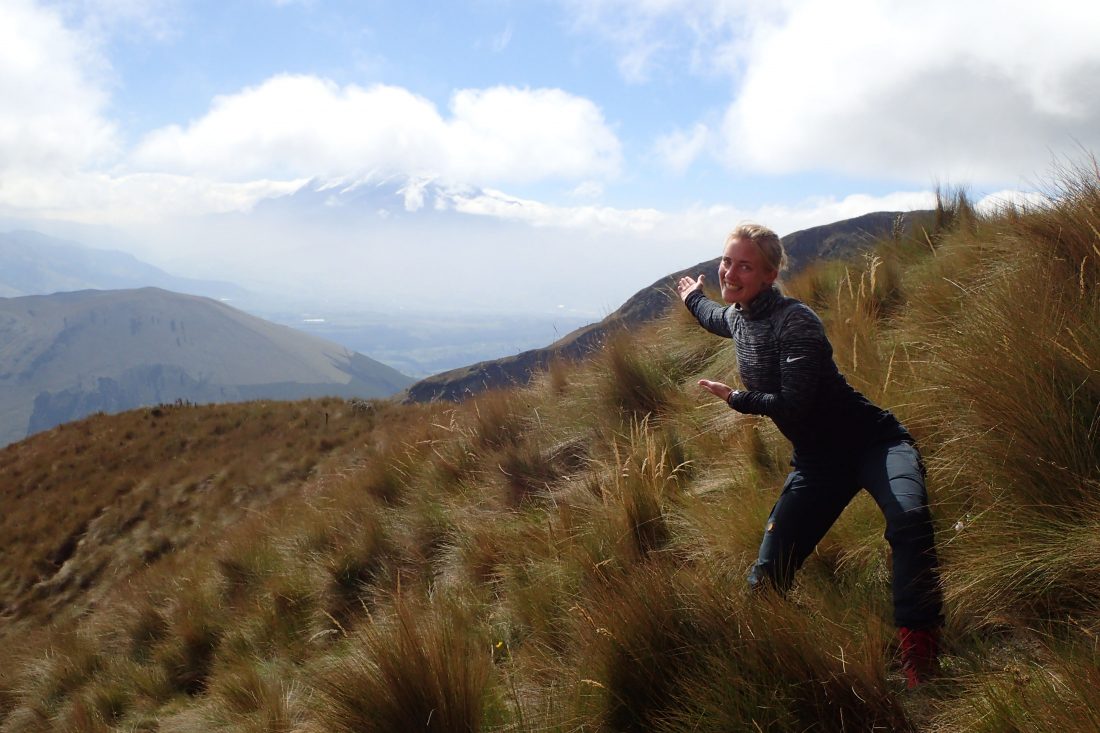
<point>743,273</point>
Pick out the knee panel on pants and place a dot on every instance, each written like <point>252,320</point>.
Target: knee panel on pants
<point>907,526</point>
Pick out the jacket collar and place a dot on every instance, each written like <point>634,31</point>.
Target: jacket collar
<point>761,305</point>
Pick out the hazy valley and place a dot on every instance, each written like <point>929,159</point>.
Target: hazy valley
<point>428,342</point>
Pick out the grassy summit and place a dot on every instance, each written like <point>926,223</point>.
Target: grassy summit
<point>570,556</point>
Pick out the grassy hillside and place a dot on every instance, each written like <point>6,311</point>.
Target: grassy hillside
<point>88,503</point>
<point>570,556</point>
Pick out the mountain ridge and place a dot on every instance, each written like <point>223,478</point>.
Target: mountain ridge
<point>70,354</point>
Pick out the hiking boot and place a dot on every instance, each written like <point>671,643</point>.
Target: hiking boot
<point>919,654</point>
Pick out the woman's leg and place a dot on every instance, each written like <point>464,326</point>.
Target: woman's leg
<point>894,476</point>
<point>808,505</point>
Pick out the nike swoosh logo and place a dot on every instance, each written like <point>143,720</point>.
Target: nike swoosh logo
<point>794,358</point>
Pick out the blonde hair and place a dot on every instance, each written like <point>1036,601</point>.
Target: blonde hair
<point>765,240</point>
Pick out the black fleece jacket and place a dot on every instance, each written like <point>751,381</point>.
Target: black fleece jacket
<point>786,364</point>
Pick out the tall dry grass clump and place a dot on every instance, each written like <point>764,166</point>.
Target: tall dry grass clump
<point>634,383</point>
<point>257,697</point>
<point>1017,358</point>
<point>675,650</point>
<point>1048,686</point>
<point>624,506</point>
<point>48,683</point>
<point>423,670</point>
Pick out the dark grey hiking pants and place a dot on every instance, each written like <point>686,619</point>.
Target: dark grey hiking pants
<point>811,501</point>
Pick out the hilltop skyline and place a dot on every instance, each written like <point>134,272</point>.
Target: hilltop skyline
<point>494,154</point>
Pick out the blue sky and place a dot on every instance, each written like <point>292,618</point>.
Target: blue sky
<point>536,155</point>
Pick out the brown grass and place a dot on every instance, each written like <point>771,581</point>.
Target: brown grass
<point>415,671</point>
<point>571,556</point>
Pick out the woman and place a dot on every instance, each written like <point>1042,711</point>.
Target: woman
<point>842,442</point>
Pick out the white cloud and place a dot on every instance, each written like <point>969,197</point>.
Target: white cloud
<point>61,156</point>
<point>136,19</point>
<point>52,116</point>
<point>587,190</point>
<point>998,201</point>
<point>919,91</point>
<point>703,223</point>
<point>500,205</point>
<point>710,224</point>
<point>981,92</point>
<point>413,193</point>
<point>57,144</point>
<point>650,34</point>
<point>679,149</point>
<point>635,62</point>
<point>101,198</point>
<point>502,40</point>
<point>293,126</point>
<point>509,134</point>
<point>475,249</point>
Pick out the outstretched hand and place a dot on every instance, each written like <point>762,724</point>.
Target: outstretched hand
<point>719,390</point>
<point>688,285</point>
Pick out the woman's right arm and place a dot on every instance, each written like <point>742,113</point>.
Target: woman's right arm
<point>710,315</point>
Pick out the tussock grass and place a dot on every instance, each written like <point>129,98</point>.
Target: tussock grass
<point>46,683</point>
<point>634,385</point>
<point>499,420</point>
<point>528,470</point>
<point>648,467</point>
<point>197,625</point>
<point>571,556</point>
<point>257,697</point>
<point>674,650</point>
<point>1016,350</point>
<point>418,670</point>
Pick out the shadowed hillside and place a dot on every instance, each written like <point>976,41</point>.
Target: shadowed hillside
<point>570,555</point>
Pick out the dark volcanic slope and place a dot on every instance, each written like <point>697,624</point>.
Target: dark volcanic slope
<point>67,355</point>
<point>839,239</point>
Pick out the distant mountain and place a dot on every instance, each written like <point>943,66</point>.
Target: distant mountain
<point>839,239</point>
<point>67,355</point>
<point>37,264</point>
